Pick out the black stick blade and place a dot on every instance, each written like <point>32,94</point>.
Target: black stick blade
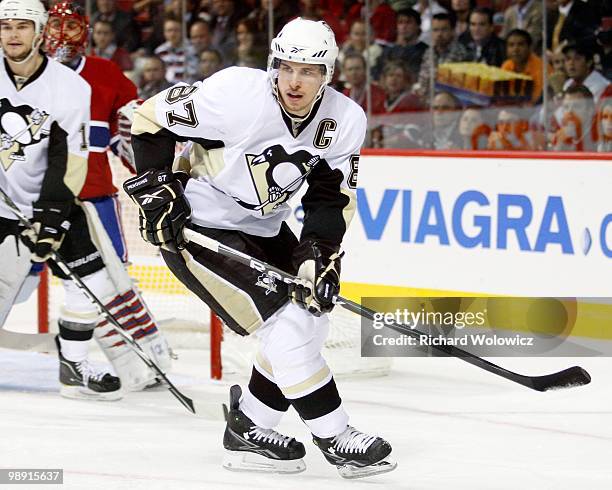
<point>568,378</point>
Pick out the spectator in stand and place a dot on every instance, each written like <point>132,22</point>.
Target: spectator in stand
<point>462,9</point>
<point>210,62</point>
<point>604,125</point>
<point>394,128</point>
<point>179,58</point>
<point>127,31</point>
<point>445,49</point>
<point>446,113</point>
<point>357,43</point>
<point>225,16</point>
<point>521,59</point>
<point>396,81</point>
<point>382,19</point>
<point>251,51</point>
<point>557,78</point>
<point>331,12</point>
<point>427,9</point>
<point>480,39</point>
<point>579,66</point>
<point>354,70</point>
<point>576,22</point>
<point>511,132</point>
<point>577,126</point>
<point>199,36</point>
<point>526,15</point>
<point>473,129</point>
<point>153,78</point>
<point>407,48</point>
<point>604,39</point>
<point>145,12</point>
<point>284,11</point>
<point>105,47</point>
<point>170,9</point>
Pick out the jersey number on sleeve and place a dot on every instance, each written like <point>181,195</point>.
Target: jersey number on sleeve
<point>176,94</point>
<point>188,120</point>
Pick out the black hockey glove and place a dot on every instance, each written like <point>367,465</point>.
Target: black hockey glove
<point>319,277</point>
<point>163,208</point>
<point>50,220</point>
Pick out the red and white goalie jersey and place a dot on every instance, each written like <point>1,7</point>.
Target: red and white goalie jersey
<point>110,90</point>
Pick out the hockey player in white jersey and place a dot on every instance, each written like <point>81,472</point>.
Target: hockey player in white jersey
<point>255,138</point>
<point>66,41</point>
<point>44,119</point>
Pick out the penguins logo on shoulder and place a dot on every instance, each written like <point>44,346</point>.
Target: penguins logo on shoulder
<point>277,175</point>
<point>20,126</point>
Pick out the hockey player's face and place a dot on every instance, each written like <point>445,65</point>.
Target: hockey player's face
<point>298,84</point>
<point>16,38</point>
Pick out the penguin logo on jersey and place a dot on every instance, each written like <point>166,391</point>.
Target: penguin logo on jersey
<point>277,175</point>
<point>267,282</point>
<point>20,126</point>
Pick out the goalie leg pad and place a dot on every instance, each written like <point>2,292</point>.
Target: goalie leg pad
<point>129,310</point>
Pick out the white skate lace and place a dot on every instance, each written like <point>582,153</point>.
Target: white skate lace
<point>269,435</point>
<point>351,440</point>
<point>88,372</point>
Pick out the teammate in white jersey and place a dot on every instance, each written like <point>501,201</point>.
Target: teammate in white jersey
<point>43,164</point>
<point>255,138</point>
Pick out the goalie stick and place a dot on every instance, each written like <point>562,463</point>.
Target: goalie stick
<point>574,376</point>
<point>187,402</point>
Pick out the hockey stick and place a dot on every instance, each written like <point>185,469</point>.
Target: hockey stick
<point>187,402</point>
<point>574,376</point>
<point>35,342</point>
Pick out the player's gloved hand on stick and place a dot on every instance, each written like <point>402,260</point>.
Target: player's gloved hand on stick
<point>163,208</point>
<point>50,220</point>
<point>319,277</point>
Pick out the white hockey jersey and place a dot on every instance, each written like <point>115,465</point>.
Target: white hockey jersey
<point>247,158</point>
<point>43,135</point>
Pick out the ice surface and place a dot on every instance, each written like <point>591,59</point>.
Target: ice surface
<point>452,426</point>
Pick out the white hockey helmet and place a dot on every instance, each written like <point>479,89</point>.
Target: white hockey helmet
<point>32,10</point>
<point>304,41</point>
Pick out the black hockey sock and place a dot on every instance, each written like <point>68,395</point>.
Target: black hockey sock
<point>69,334</point>
<point>318,403</point>
<point>267,392</point>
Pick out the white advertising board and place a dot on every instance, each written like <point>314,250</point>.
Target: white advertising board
<point>530,227</point>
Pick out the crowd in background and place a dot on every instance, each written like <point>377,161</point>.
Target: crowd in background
<point>564,46</point>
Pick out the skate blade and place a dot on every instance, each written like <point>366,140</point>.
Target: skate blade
<point>82,393</point>
<point>246,461</point>
<point>351,472</point>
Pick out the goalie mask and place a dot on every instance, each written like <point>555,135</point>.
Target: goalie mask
<point>303,41</point>
<point>67,32</point>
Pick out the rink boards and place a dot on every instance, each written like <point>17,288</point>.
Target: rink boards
<point>483,224</point>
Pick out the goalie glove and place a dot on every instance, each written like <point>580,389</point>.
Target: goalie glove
<point>318,277</point>
<point>50,220</point>
<point>163,209</point>
<point>122,146</point>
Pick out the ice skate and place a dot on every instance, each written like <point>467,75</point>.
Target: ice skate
<point>252,448</point>
<point>80,380</point>
<point>355,454</point>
